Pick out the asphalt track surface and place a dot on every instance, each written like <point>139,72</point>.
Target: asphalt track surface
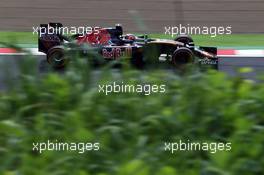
<point>146,16</point>
<point>245,16</point>
<point>10,65</point>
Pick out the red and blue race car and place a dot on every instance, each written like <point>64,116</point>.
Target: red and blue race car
<point>111,44</point>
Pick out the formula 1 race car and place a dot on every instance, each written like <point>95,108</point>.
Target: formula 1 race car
<point>111,44</point>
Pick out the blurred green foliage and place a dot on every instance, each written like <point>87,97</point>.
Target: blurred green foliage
<point>130,127</point>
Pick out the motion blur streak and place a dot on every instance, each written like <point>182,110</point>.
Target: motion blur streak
<point>241,14</point>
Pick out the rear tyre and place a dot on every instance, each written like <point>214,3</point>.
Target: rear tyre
<point>56,57</point>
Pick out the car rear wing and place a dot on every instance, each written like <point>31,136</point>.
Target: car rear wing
<point>49,35</point>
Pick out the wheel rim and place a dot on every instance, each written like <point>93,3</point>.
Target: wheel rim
<point>57,59</point>
<point>183,58</point>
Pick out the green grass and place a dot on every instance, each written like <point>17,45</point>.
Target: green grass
<point>236,40</point>
<point>18,37</point>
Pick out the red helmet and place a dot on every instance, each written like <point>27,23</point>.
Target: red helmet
<point>130,37</point>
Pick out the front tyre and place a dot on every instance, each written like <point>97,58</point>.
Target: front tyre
<point>186,40</point>
<point>182,56</point>
<point>56,57</point>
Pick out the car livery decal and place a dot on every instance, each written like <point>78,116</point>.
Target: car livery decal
<point>49,41</point>
<point>117,52</point>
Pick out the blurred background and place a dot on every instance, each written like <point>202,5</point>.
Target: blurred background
<point>136,16</point>
<point>131,128</point>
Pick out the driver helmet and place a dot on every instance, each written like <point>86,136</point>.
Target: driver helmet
<point>130,37</point>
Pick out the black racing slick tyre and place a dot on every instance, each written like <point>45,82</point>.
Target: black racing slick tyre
<point>56,57</point>
<point>185,39</point>
<point>182,56</point>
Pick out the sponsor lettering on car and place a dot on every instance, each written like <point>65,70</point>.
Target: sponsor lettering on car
<point>116,52</point>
